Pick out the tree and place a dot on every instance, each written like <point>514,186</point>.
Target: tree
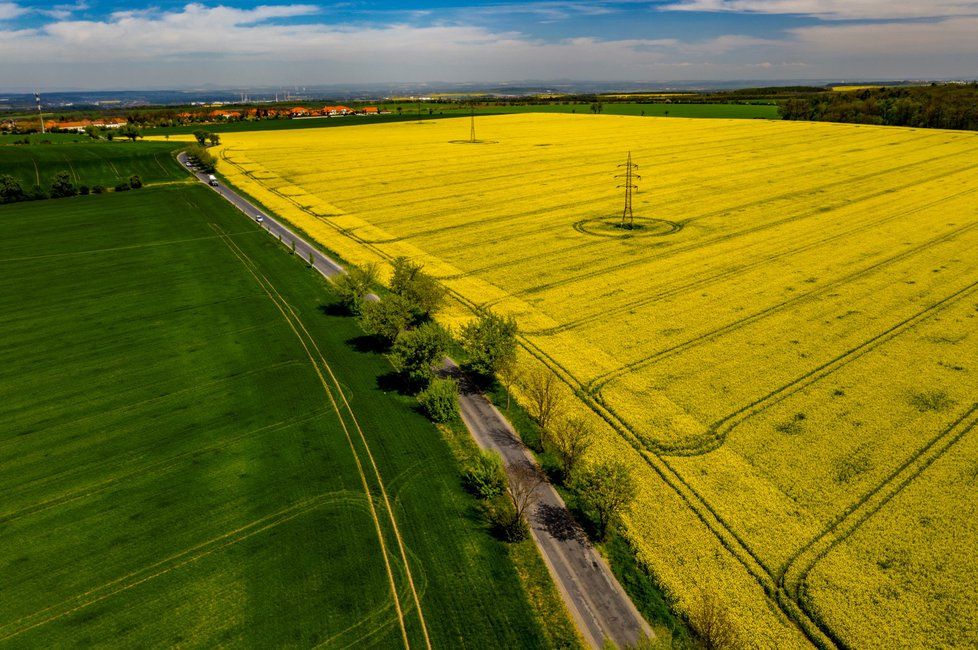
<point>522,489</point>
<point>62,186</point>
<point>98,189</point>
<point>11,190</point>
<point>135,182</point>
<point>213,139</point>
<point>386,318</point>
<point>420,289</point>
<point>608,490</point>
<point>485,476</point>
<point>713,623</point>
<point>416,352</point>
<point>440,400</point>
<point>542,390</point>
<point>570,439</point>
<point>508,370</point>
<point>201,136</point>
<point>490,342</point>
<point>354,285</point>
<point>129,131</point>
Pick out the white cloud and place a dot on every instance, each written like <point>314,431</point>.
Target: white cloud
<point>835,9</point>
<point>949,37</point>
<point>225,45</point>
<point>10,10</point>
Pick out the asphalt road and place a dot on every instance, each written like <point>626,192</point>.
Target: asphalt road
<point>598,603</point>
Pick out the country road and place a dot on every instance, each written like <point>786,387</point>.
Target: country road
<point>600,607</point>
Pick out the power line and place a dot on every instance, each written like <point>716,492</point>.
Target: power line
<point>627,218</point>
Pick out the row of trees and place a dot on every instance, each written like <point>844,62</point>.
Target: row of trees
<point>201,158</point>
<point>416,346</point>
<point>206,138</point>
<point>943,106</point>
<point>61,187</point>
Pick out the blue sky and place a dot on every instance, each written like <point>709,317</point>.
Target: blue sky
<point>110,44</point>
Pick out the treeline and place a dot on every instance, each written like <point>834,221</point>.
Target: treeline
<point>944,106</point>
<point>11,191</point>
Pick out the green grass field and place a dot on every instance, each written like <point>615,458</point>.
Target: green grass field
<point>90,163</point>
<point>174,469</point>
<point>38,138</point>
<point>410,112</point>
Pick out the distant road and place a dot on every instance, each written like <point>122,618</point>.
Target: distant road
<point>599,604</point>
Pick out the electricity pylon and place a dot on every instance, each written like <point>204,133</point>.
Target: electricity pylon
<point>627,218</point>
<point>40,115</point>
<point>472,125</point>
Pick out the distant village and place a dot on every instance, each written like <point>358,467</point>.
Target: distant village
<point>29,124</point>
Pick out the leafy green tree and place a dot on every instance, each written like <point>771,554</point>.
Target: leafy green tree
<point>62,186</point>
<point>213,139</point>
<point>417,352</point>
<point>37,194</point>
<point>490,342</point>
<point>485,476</point>
<point>130,131</point>
<point>98,189</point>
<point>354,285</point>
<point>440,400</point>
<point>607,490</point>
<point>10,190</point>
<point>201,137</point>
<point>424,293</point>
<point>386,318</point>
<point>135,182</point>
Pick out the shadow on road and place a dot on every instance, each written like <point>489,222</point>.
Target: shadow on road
<point>559,523</point>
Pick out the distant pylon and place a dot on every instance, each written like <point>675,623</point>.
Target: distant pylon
<point>40,116</point>
<point>472,125</point>
<point>627,218</point>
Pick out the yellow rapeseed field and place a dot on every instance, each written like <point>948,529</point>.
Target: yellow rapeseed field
<point>786,350</point>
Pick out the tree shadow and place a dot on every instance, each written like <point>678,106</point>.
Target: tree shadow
<point>368,343</point>
<point>395,382</point>
<point>336,309</point>
<point>559,523</point>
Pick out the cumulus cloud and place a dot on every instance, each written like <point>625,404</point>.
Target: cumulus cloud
<point>10,10</point>
<point>835,9</point>
<point>294,44</point>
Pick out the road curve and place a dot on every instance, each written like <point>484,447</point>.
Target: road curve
<point>600,607</point>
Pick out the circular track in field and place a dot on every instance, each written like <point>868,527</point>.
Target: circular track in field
<point>473,141</point>
<point>642,227</point>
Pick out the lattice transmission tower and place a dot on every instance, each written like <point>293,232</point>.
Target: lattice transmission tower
<point>472,125</point>
<point>627,218</point>
<point>40,115</point>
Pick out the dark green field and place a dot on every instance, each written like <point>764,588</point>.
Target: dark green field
<point>177,463</point>
<point>410,112</point>
<point>90,163</point>
<point>38,138</point>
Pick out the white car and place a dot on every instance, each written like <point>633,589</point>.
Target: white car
<point>260,218</point>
